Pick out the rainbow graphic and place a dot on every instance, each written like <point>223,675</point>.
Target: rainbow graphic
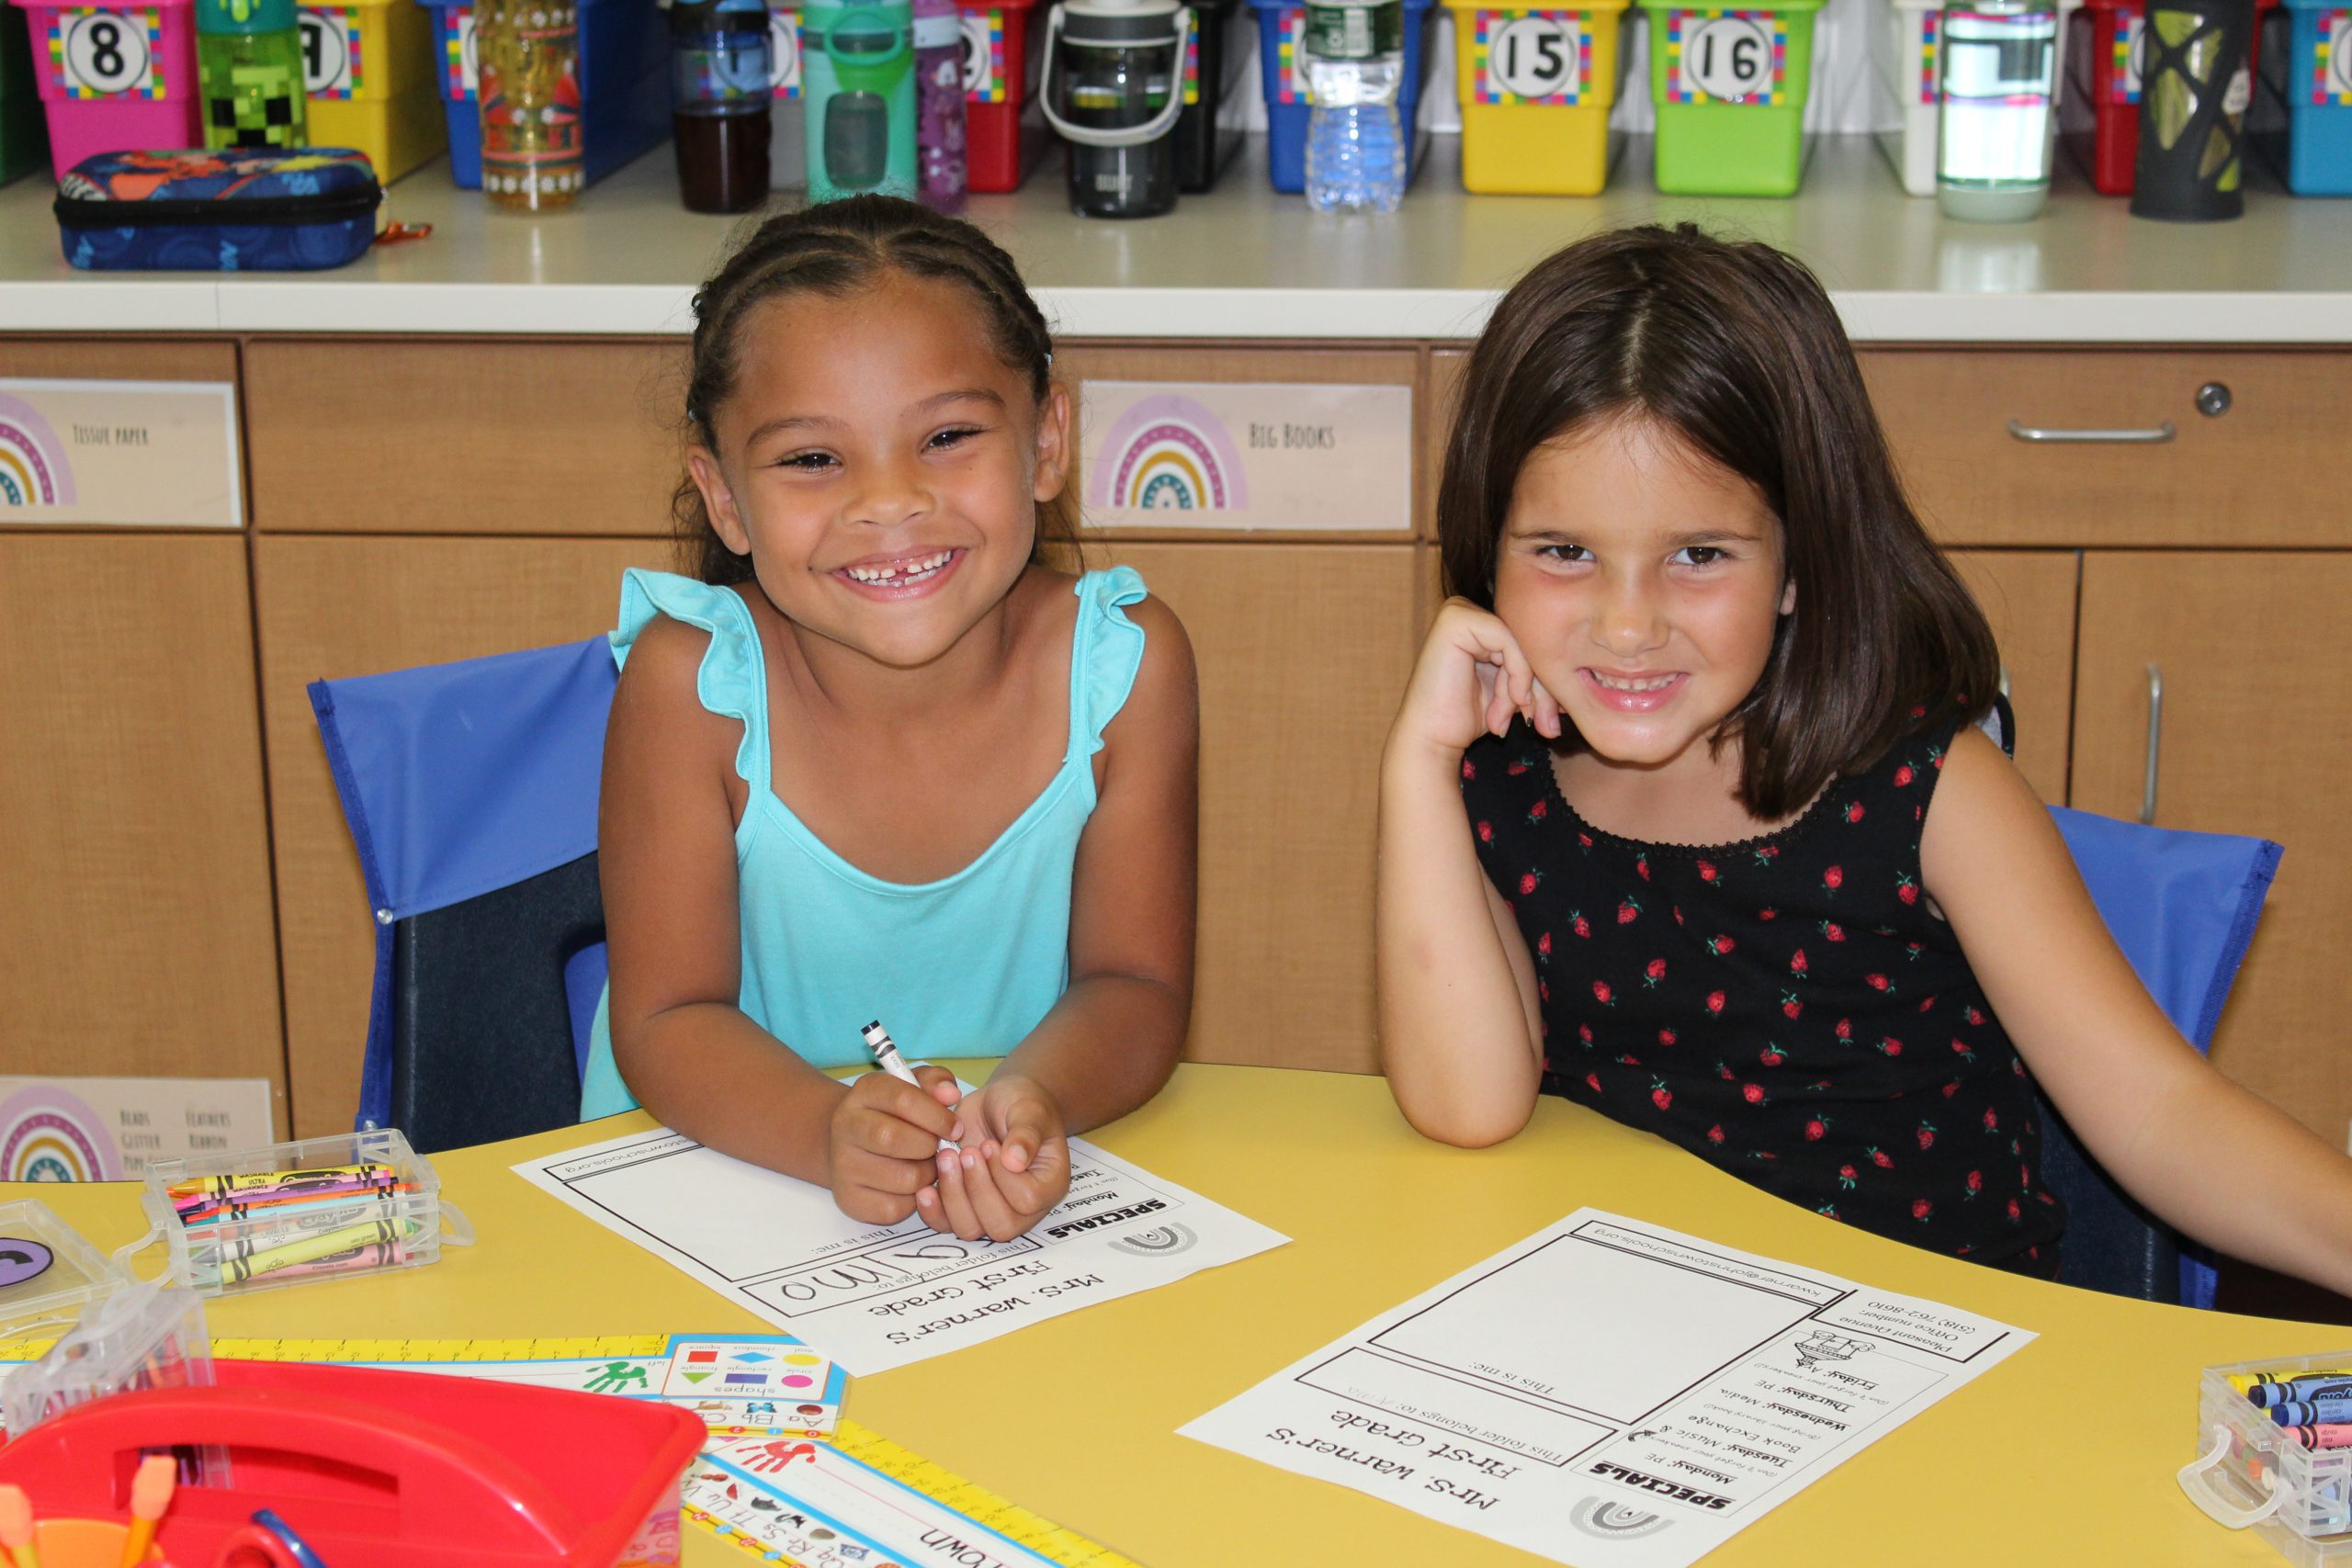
<point>993,88</point>
<point>151,87</point>
<point>47,1135</point>
<point>1931,27</point>
<point>1683,89</point>
<point>1167,452</point>
<point>1490,88</point>
<point>2125,76</point>
<point>1290,58</point>
<point>345,19</point>
<point>33,468</point>
<point>457,24</point>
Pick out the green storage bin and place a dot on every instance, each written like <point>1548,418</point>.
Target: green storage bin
<point>24,130</point>
<point>1730,86</point>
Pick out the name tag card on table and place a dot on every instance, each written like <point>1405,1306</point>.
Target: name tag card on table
<point>1609,1394</point>
<point>160,453</point>
<point>875,1297</point>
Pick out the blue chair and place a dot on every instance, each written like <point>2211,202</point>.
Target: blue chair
<point>2182,907</point>
<point>471,791</point>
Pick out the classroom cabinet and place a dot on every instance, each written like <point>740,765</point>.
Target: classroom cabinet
<point>332,607</point>
<point>136,929</point>
<point>2250,651</point>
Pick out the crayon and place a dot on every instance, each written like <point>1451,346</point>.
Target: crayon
<point>374,1254</point>
<point>261,1197</point>
<point>2306,1412</point>
<point>247,1182</point>
<point>324,1214</point>
<point>2246,1383</point>
<point>2264,1396</point>
<point>2326,1435</point>
<point>236,1269</point>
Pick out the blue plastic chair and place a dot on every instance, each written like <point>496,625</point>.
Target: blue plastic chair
<point>2182,907</point>
<point>471,791</point>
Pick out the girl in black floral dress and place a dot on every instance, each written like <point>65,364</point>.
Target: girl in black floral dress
<point>1686,817</point>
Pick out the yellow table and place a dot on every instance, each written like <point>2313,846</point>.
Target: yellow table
<point>2063,1454</point>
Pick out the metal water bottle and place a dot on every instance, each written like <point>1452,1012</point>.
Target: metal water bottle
<point>1113,88</point>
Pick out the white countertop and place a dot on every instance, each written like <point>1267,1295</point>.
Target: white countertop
<point>1243,262</point>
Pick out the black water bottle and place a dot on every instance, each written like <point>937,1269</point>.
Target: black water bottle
<point>2195,89</point>
<point>721,102</point>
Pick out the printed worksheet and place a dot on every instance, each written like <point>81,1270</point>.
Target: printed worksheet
<point>1611,1395</point>
<point>874,1297</point>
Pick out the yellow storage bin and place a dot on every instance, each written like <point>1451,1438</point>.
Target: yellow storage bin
<point>368,65</point>
<point>1537,84</point>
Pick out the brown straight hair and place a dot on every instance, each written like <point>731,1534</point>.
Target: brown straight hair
<point>1735,348</point>
<point>838,248</point>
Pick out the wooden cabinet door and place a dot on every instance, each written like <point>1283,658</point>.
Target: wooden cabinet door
<point>136,932</point>
<point>1303,653</point>
<point>2028,595</point>
<point>333,607</point>
<point>378,435</point>
<point>2256,685</point>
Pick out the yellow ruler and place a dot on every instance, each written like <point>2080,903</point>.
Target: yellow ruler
<point>1041,1536</point>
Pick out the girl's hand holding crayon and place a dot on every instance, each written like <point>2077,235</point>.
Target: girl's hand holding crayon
<point>1013,1165</point>
<point>1470,680</point>
<point>881,1139</point>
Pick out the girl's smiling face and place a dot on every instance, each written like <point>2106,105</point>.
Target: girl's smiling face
<point>1644,583</point>
<point>882,466</point>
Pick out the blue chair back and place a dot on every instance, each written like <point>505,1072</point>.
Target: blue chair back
<point>2182,907</point>
<point>471,791</point>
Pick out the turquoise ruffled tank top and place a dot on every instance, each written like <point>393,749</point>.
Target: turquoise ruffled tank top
<point>964,966</point>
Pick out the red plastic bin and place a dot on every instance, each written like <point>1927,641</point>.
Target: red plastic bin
<point>380,1469</point>
<point>1003,133</point>
<point>2100,110</point>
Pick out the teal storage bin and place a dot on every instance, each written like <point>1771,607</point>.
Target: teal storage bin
<point>2300,122</point>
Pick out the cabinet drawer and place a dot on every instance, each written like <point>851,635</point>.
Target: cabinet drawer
<point>2273,469</point>
<point>1078,363</point>
<point>390,437</point>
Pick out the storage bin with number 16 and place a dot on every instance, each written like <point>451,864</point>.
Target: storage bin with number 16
<point>1537,84</point>
<point>1730,85</point>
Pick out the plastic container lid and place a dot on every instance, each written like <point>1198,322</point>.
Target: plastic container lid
<point>49,1274</point>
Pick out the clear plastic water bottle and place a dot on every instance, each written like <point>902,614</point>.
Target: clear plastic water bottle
<point>1355,145</point>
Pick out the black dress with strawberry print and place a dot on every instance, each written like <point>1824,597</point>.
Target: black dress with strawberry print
<point>1787,1007</point>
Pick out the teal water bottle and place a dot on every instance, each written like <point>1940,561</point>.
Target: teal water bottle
<point>248,71</point>
<point>857,86</point>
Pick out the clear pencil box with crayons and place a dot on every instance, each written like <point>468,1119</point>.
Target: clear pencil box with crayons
<point>292,1213</point>
<point>2274,1442</point>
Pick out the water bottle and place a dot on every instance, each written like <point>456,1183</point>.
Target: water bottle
<point>533,142</point>
<point>2193,98</point>
<point>939,104</point>
<point>857,90</point>
<point>1112,87</point>
<point>2000,84</point>
<point>720,98</point>
<point>249,66</point>
<point>1355,144</point>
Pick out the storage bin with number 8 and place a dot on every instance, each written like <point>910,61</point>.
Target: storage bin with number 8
<point>1537,85</point>
<point>115,76</point>
<point>1730,86</point>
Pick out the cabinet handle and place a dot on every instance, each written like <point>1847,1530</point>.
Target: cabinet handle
<point>2155,437</point>
<point>2155,743</point>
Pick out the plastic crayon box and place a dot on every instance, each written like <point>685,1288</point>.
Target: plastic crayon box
<point>2246,1458</point>
<point>321,1208</point>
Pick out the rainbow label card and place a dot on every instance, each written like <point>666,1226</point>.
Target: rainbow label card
<point>160,453</point>
<point>1301,457</point>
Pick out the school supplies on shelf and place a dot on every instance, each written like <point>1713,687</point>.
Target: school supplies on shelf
<point>768,1385</point>
<point>49,1274</point>
<point>2292,1484</point>
<point>321,1208</point>
<point>383,1469</point>
<point>865,1500</point>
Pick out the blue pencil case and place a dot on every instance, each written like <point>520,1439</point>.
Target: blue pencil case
<point>237,210</point>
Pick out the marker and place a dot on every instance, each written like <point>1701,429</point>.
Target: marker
<point>150,1493</point>
<point>2306,1412</point>
<point>2264,1395</point>
<point>16,1526</point>
<point>295,1547</point>
<point>885,1052</point>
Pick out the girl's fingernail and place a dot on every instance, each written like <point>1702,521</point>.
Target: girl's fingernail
<point>969,1161</point>
<point>926,1198</point>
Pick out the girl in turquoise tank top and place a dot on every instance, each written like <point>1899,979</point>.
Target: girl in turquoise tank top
<point>878,760</point>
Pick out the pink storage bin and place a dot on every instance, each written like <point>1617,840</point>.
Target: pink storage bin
<point>116,77</point>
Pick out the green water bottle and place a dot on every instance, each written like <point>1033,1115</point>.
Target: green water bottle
<point>857,81</point>
<point>249,70</point>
